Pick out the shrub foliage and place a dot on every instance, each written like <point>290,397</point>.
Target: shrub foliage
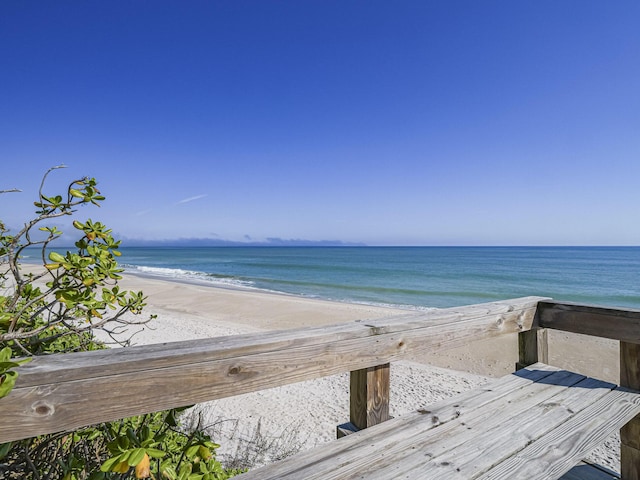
<point>59,308</point>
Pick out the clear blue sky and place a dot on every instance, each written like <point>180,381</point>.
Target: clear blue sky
<point>394,123</point>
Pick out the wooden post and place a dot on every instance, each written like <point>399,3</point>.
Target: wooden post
<point>630,433</point>
<point>369,399</point>
<point>533,347</point>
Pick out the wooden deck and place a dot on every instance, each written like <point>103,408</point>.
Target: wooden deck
<point>534,424</point>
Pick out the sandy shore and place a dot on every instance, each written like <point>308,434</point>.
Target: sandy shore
<point>263,426</point>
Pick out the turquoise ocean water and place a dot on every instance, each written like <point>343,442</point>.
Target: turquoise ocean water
<point>407,276</point>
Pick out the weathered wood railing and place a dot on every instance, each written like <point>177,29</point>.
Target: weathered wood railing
<point>63,392</point>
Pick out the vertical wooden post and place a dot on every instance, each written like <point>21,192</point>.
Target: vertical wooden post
<point>533,347</point>
<point>630,433</point>
<point>369,398</point>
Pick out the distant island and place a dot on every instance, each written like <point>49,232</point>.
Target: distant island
<point>215,242</point>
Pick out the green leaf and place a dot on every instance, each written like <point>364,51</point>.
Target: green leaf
<point>4,449</point>
<point>192,451</point>
<point>93,434</point>
<point>7,365</point>
<point>169,472</point>
<point>5,354</point>
<point>185,471</point>
<point>56,257</point>
<point>123,442</point>
<point>170,419</point>
<point>132,436</point>
<point>155,453</point>
<point>136,456</point>
<point>7,381</point>
<point>110,463</point>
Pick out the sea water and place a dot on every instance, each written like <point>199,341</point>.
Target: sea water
<point>415,277</point>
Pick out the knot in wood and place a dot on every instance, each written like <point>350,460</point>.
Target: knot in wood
<point>234,370</point>
<point>43,409</point>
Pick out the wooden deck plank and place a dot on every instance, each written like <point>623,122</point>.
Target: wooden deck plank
<point>470,448</point>
<point>462,438</point>
<point>439,412</point>
<point>394,438</point>
<point>556,453</point>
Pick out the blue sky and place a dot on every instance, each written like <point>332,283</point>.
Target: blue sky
<point>388,123</point>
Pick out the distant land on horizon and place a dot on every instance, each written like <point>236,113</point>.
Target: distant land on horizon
<point>214,242</point>
<point>281,242</point>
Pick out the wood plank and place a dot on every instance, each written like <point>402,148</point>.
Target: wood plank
<point>629,460</point>
<point>369,396</point>
<point>339,459</point>
<point>61,392</point>
<point>469,449</point>
<point>400,448</point>
<point>630,433</point>
<point>524,307</point>
<point>606,322</point>
<point>557,452</point>
<point>517,313</point>
<point>306,463</point>
<point>533,347</point>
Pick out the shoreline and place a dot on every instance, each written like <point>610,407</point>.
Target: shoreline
<point>252,289</point>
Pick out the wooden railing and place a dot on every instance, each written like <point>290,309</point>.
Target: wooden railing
<point>63,392</point>
<point>617,324</point>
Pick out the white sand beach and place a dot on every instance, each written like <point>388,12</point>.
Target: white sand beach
<point>263,426</point>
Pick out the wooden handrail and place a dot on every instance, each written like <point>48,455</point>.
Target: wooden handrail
<point>63,392</point>
<point>607,322</point>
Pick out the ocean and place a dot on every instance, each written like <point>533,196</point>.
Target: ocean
<point>413,277</point>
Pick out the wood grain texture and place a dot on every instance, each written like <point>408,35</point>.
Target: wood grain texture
<point>536,413</point>
<point>533,347</point>
<point>629,461</point>
<point>554,454</point>
<point>369,396</point>
<point>62,392</point>
<point>630,433</point>
<point>614,323</point>
<point>337,456</point>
